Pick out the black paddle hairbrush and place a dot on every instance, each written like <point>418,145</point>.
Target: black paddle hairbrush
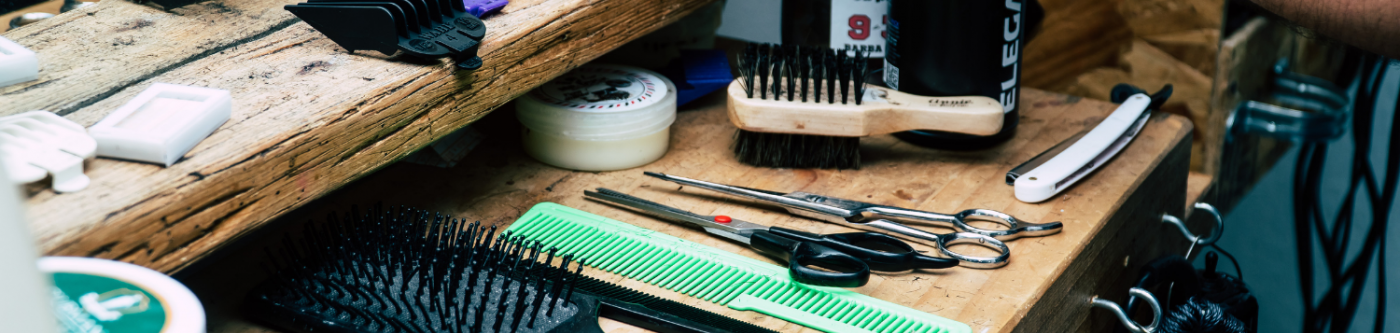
<point>412,271</point>
<point>806,107</point>
<point>421,28</point>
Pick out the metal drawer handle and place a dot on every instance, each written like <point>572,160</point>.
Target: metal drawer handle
<point>1133,326</point>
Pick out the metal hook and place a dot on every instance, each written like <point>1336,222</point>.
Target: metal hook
<point>1199,240</point>
<point>1325,121</point>
<point>1133,326</point>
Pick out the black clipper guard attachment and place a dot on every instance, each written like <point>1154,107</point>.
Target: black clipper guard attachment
<point>421,28</point>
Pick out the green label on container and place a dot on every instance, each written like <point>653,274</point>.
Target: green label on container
<point>96,304</point>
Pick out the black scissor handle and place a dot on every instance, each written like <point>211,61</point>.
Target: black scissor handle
<point>880,252</point>
<point>842,270</point>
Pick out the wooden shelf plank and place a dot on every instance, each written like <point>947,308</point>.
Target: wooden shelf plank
<point>87,54</point>
<point>1109,217</point>
<point>307,116</point>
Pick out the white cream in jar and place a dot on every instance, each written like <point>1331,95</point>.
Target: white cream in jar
<point>599,118</point>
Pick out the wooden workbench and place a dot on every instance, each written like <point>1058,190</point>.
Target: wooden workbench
<point>307,118</point>
<point>1112,218</point>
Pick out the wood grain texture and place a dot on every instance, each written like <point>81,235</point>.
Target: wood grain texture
<point>1147,67</point>
<point>1153,17</point>
<point>1076,36</point>
<point>1108,263</point>
<point>88,54</point>
<point>1197,48</point>
<point>497,183</point>
<point>309,117</point>
<point>1246,61</point>
<point>892,112</point>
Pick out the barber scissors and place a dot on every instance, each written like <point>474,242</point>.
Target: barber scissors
<point>873,217</point>
<point>848,258</point>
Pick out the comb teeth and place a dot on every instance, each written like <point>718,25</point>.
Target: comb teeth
<point>715,275</point>
<point>797,71</point>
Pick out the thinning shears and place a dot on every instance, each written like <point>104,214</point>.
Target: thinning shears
<point>847,258</point>
<point>873,217</point>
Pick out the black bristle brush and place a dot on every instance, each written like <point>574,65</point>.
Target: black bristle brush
<point>788,131</point>
<point>409,270</point>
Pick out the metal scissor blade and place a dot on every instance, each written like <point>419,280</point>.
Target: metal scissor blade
<point>735,228</point>
<point>777,198</point>
<point>729,235</point>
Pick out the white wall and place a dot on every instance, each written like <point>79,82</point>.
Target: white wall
<point>753,20</point>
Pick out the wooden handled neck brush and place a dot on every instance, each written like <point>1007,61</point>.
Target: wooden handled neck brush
<point>802,107</point>
<point>410,271</point>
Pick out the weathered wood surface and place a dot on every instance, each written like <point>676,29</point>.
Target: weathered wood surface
<point>88,54</point>
<point>1246,60</point>
<point>1077,36</point>
<point>1106,215</point>
<point>307,116</point>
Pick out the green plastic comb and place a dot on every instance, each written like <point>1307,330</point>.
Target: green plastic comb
<point>715,275</point>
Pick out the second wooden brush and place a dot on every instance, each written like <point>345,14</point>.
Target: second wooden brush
<point>799,107</point>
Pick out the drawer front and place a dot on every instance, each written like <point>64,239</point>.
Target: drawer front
<point>1108,265</point>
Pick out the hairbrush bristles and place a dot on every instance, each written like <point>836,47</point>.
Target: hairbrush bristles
<point>411,271</point>
<point>797,72</point>
<point>815,57</point>
<point>775,150</point>
<point>408,270</point>
<point>765,67</point>
<point>858,75</point>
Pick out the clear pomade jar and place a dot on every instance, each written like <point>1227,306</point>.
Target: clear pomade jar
<point>599,118</point>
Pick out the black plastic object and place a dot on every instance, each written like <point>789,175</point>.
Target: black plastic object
<point>1231,293</point>
<point>172,4</point>
<point>880,252</point>
<point>959,48</point>
<point>1122,91</point>
<point>1196,296</point>
<point>7,6</point>
<point>1201,316</point>
<point>658,314</point>
<point>421,28</point>
<point>842,270</point>
<point>413,271</point>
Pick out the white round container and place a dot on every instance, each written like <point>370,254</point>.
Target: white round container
<point>98,295</point>
<point>599,118</point>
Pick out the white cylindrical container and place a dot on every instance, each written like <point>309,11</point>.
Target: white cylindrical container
<point>26,307</point>
<point>98,295</point>
<point>599,118</point>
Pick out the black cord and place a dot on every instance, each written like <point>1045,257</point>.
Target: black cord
<point>1239,273</point>
<point>1346,284</point>
<point>1301,236</point>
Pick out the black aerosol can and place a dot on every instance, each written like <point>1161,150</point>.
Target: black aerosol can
<point>959,48</point>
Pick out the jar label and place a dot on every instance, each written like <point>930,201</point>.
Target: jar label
<point>603,89</point>
<point>859,25</point>
<point>98,304</point>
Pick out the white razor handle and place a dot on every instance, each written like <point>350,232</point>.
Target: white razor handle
<point>1086,155</point>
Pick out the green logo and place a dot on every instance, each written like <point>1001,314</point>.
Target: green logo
<point>95,304</point>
